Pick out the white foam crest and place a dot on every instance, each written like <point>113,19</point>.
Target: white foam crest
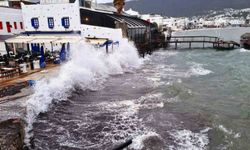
<point>229,132</point>
<point>138,142</point>
<point>126,122</point>
<point>188,140</point>
<point>86,68</point>
<point>242,50</point>
<point>198,70</point>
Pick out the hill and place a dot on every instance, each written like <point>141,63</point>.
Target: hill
<point>186,8</point>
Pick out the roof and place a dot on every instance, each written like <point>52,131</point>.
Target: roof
<point>103,7</point>
<point>132,22</point>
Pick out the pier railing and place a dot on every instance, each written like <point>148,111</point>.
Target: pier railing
<point>194,39</point>
<point>198,39</point>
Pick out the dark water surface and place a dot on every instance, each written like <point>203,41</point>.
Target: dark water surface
<point>196,99</point>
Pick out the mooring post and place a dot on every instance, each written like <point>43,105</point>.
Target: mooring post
<point>107,48</point>
<point>190,45</point>
<point>175,44</point>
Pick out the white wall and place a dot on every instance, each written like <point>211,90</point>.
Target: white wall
<point>57,11</point>
<point>4,3</point>
<point>10,15</point>
<point>53,1</point>
<point>101,32</point>
<point>153,18</point>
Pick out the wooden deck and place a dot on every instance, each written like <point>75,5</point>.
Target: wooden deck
<point>31,75</point>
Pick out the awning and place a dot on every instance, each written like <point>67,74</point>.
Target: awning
<point>44,39</point>
<point>96,41</point>
<point>19,39</point>
<point>68,40</point>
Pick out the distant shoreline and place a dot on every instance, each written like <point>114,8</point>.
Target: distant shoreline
<point>204,29</point>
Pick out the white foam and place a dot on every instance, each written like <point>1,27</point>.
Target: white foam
<point>126,123</point>
<point>87,68</point>
<point>188,140</point>
<point>138,142</point>
<point>198,70</point>
<point>229,132</point>
<point>242,50</point>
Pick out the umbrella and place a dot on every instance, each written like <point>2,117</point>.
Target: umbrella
<point>68,50</point>
<point>63,53</point>
<point>32,48</point>
<point>42,59</point>
<point>28,48</point>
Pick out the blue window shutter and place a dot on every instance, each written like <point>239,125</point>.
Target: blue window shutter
<point>51,22</point>
<point>35,23</point>
<point>65,22</point>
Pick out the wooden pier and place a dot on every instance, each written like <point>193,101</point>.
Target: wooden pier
<point>215,42</point>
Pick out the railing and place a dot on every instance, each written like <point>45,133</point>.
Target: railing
<point>194,39</point>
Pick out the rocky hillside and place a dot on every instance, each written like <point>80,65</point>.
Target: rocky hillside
<point>184,7</point>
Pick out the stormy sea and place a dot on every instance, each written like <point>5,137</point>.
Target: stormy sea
<point>173,99</point>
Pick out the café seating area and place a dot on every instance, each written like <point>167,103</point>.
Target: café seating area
<point>26,62</point>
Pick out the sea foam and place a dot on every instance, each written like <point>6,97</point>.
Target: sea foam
<point>198,70</point>
<point>188,140</point>
<point>87,68</point>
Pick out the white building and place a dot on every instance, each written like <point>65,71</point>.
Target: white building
<point>236,22</point>
<point>153,18</point>
<point>11,22</point>
<point>54,23</point>
<point>65,16</point>
<point>175,23</point>
<point>132,12</point>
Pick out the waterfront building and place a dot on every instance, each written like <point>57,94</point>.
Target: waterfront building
<point>11,21</point>
<point>176,24</point>
<point>153,18</point>
<point>131,12</point>
<point>236,22</point>
<point>54,23</point>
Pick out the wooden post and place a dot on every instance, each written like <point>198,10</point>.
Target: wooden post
<point>175,44</point>
<point>190,45</point>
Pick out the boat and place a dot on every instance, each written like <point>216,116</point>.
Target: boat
<point>245,41</point>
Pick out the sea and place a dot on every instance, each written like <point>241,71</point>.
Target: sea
<point>185,99</point>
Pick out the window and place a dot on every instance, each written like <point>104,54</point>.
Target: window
<point>51,22</point>
<point>1,25</point>
<point>8,25</point>
<point>21,25</point>
<point>35,23</point>
<point>15,26</point>
<point>65,22</point>
<point>97,19</point>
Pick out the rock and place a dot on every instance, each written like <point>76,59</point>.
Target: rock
<point>12,89</point>
<point>11,134</point>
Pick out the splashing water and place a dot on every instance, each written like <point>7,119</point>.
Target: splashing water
<point>188,140</point>
<point>87,69</point>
